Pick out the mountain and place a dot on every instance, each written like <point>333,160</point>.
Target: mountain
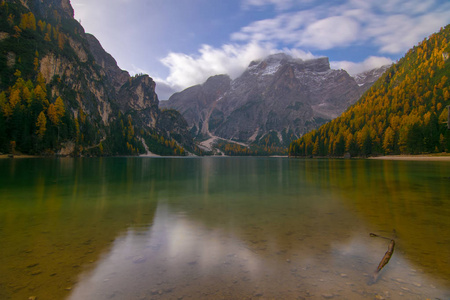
<point>62,93</point>
<point>274,101</point>
<point>404,112</point>
<point>366,79</point>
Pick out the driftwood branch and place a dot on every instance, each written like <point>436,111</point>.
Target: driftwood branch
<point>387,256</point>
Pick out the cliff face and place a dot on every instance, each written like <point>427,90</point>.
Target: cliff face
<point>108,64</point>
<point>97,94</point>
<point>278,95</point>
<point>197,103</point>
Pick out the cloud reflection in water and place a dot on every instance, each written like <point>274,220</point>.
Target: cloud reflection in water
<point>177,257</point>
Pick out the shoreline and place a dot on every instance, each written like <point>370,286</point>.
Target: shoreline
<point>423,157</point>
<point>420,157</point>
<point>19,156</point>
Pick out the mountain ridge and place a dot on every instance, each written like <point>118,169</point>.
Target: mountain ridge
<point>280,97</point>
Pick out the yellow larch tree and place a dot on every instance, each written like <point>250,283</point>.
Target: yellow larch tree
<point>41,125</point>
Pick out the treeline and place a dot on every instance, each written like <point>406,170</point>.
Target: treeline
<point>163,146</point>
<point>233,149</point>
<point>404,112</point>
<point>124,140</point>
<point>31,123</point>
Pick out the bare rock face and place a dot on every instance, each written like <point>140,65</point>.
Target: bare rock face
<point>138,95</point>
<point>279,95</point>
<point>202,99</point>
<point>79,50</point>
<point>107,63</point>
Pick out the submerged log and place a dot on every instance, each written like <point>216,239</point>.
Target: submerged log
<point>387,256</point>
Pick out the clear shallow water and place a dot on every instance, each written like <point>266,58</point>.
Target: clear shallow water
<point>223,228</point>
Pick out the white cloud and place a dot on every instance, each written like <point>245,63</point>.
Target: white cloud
<point>409,30</point>
<point>353,68</point>
<point>298,53</point>
<point>279,4</point>
<point>393,26</point>
<point>188,70</point>
<point>330,32</point>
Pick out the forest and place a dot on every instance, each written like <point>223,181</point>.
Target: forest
<point>404,112</point>
<point>34,115</point>
<point>234,149</point>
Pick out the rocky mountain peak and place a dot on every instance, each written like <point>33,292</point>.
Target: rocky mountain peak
<point>271,64</point>
<point>216,79</point>
<point>367,78</point>
<point>279,96</point>
<point>217,84</point>
<point>321,64</point>
<point>273,59</point>
<point>107,62</point>
<point>63,7</point>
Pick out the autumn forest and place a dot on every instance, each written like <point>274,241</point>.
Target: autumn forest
<point>404,112</point>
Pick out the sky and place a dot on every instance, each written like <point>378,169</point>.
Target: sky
<point>180,43</point>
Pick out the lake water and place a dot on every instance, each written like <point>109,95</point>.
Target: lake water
<point>223,228</point>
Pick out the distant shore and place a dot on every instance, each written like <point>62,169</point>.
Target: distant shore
<point>19,156</point>
<point>435,157</point>
<point>423,157</point>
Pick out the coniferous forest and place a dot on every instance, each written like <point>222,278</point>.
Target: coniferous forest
<point>404,112</point>
<point>41,115</point>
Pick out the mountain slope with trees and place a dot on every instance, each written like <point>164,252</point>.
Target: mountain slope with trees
<point>404,112</point>
<point>61,93</point>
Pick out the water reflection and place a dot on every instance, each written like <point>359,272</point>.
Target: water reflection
<point>178,257</point>
<point>234,228</point>
<point>412,198</point>
<point>58,216</point>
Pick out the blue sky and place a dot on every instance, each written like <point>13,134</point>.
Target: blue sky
<point>180,43</point>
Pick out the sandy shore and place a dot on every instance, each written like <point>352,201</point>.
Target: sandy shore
<point>414,157</point>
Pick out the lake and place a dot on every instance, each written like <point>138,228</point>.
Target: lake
<point>223,228</point>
